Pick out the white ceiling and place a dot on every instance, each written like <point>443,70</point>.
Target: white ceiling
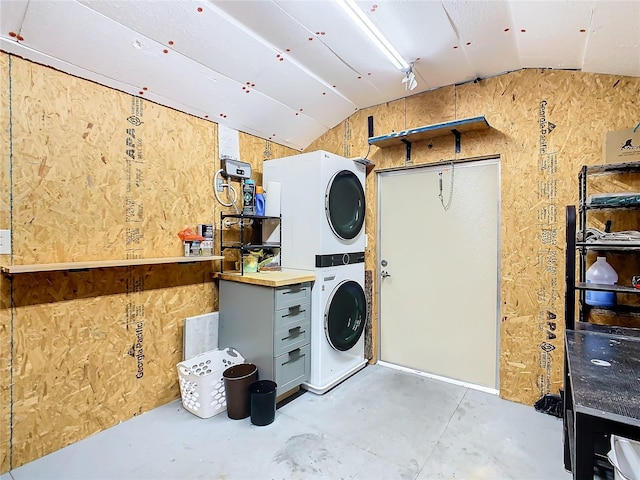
<point>289,70</point>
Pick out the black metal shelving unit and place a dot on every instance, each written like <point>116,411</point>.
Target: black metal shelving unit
<point>578,323</point>
<point>584,247</point>
<point>247,244</point>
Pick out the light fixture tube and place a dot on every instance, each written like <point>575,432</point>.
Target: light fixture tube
<point>367,26</point>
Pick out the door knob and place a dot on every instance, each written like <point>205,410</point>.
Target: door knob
<point>384,274</point>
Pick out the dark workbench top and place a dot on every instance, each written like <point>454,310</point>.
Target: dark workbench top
<point>611,392</point>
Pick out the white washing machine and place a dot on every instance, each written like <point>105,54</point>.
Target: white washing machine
<point>338,319</point>
<point>322,206</point>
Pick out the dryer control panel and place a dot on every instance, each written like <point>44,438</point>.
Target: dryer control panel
<point>337,259</point>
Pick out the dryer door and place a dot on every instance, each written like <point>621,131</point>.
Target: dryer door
<point>345,315</point>
<point>345,205</point>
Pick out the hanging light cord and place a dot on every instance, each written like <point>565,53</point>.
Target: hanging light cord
<point>446,207</point>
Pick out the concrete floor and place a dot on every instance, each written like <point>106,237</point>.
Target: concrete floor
<point>381,423</point>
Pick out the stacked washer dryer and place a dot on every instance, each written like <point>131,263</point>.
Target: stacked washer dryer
<point>323,210</point>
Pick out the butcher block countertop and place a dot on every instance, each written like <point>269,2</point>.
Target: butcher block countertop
<point>269,278</point>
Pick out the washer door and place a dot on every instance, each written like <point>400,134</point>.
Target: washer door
<point>345,205</point>
<point>345,315</point>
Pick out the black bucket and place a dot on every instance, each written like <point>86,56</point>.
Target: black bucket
<point>263,402</point>
<point>237,379</point>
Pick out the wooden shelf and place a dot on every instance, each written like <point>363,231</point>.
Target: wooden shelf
<point>430,131</point>
<point>608,329</point>
<point>251,217</point>
<point>634,206</point>
<point>601,287</point>
<point>269,278</point>
<point>614,168</point>
<point>618,310</point>
<point>610,246</point>
<point>71,266</point>
<point>251,246</point>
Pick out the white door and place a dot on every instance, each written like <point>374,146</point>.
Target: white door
<point>439,304</point>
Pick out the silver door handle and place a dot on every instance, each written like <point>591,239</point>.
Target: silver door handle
<point>384,274</point>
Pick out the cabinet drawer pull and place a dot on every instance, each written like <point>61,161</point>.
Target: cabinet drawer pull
<point>292,290</point>
<point>296,312</point>
<point>294,332</point>
<point>295,352</point>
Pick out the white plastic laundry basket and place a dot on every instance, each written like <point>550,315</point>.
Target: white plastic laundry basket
<point>201,382</point>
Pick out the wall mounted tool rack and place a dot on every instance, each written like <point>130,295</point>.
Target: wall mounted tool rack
<point>456,127</point>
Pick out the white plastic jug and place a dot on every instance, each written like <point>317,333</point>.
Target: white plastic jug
<point>603,273</point>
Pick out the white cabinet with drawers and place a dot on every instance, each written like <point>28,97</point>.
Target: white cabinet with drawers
<point>270,327</point>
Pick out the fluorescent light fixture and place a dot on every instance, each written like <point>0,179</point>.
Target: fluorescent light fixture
<point>367,26</point>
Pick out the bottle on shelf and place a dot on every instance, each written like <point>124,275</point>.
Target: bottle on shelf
<point>603,273</point>
<point>249,197</point>
<point>260,201</point>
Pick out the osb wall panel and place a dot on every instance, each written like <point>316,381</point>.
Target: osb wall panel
<point>93,349</point>
<point>5,314</point>
<point>4,142</point>
<point>333,141</point>
<point>136,171</point>
<point>256,150</point>
<point>100,175</point>
<point>97,175</point>
<point>545,125</point>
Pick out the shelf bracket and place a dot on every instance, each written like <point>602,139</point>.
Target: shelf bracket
<point>456,134</point>
<point>407,147</point>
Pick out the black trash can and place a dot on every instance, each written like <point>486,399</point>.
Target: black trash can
<point>237,379</point>
<point>263,402</point>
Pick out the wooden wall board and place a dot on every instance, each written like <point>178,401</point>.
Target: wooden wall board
<point>371,262</point>
<point>135,168</point>
<point>355,143</point>
<point>393,120</point>
<point>94,350</point>
<point>438,107</point>
<point>256,150</point>
<point>5,148</point>
<point>545,125</point>
<point>5,300</point>
<point>98,175</point>
<point>6,331</point>
<point>275,150</point>
<point>368,330</point>
<point>332,141</point>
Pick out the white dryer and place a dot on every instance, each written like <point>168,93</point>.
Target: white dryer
<point>322,206</point>
<point>339,311</point>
